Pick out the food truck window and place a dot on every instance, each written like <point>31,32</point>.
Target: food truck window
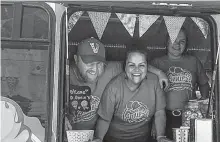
<point>7,18</point>
<point>120,31</point>
<point>25,71</point>
<point>36,20</point>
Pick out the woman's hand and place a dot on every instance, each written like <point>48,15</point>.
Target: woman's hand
<point>67,124</point>
<point>164,82</point>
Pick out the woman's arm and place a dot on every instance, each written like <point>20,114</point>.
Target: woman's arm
<point>160,122</point>
<point>204,90</point>
<point>160,115</point>
<point>164,83</point>
<point>202,80</point>
<point>101,129</point>
<point>105,111</point>
<point>160,125</point>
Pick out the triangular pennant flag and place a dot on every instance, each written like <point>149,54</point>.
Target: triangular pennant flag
<point>174,25</point>
<point>99,21</point>
<point>145,21</point>
<point>73,19</point>
<point>128,20</point>
<point>217,20</point>
<point>202,24</point>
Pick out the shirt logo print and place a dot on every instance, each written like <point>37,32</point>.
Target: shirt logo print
<point>180,79</point>
<point>87,116</point>
<point>135,112</point>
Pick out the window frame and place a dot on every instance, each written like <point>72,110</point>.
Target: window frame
<point>49,42</point>
<point>10,4</point>
<point>17,22</point>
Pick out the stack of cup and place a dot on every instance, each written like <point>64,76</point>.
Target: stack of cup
<point>181,134</point>
<point>80,135</point>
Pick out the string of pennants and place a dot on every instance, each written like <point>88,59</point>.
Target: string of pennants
<point>173,24</point>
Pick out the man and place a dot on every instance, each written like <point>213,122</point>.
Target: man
<point>92,71</point>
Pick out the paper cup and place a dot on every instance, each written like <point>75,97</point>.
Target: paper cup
<point>79,135</point>
<point>177,134</point>
<point>181,134</point>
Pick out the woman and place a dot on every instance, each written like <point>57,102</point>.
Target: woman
<point>129,102</point>
<point>183,72</point>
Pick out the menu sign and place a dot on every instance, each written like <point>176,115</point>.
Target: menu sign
<point>80,98</point>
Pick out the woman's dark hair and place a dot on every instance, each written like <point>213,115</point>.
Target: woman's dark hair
<point>186,35</point>
<point>134,50</point>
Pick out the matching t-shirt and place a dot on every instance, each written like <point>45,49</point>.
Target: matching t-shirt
<point>129,111</point>
<point>87,119</point>
<point>183,74</point>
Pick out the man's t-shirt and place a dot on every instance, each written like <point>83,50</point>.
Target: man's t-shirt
<point>183,74</point>
<point>86,120</point>
<point>130,112</point>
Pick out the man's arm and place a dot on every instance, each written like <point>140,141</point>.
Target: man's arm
<point>164,83</point>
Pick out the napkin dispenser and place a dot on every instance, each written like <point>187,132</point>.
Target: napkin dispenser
<point>201,130</point>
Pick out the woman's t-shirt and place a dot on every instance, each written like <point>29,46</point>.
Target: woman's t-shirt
<point>183,74</point>
<point>129,111</point>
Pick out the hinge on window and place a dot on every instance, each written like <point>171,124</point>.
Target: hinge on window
<point>67,70</point>
<point>214,115</point>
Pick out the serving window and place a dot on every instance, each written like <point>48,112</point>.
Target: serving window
<point>121,31</point>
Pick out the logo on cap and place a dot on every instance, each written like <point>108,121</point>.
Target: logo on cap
<point>95,47</point>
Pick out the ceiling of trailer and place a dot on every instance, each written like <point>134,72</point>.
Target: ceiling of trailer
<point>201,6</point>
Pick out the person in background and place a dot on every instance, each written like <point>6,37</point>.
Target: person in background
<point>92,70</point>
<point>129,102</point>
<point>184,72</point>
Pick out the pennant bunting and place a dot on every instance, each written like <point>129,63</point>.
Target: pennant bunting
<point>202,24</point>
<point>173,25</point>
<point>145,21</point>
<point>99,21</point>
<point>128,20</point>
<point>217,20</point>
<point>73,19</point>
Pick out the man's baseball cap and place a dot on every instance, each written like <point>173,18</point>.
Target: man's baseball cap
<point>91,50</point>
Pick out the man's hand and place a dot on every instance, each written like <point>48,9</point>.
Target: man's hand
<point>67,124</point>
<point>164,139</point>
<point>164,82</point>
